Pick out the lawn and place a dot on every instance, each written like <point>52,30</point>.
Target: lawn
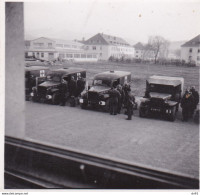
<point>140,72</point>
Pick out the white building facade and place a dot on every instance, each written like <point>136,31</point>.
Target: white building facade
<point>54,49</point>
<point>106,46</point>
<point>190,51</point>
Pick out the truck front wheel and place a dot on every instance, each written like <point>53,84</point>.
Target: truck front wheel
<point>55,99</point>
<point>172,115</point>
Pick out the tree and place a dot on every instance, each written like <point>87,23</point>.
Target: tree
<point>159,46</point>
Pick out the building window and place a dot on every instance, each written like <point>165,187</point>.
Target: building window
<point>83,55</point>
<point>74,46</point>
<point>69,55</point>
<point>50,44</point>
<point>198,58</point>
<point>76,55</point>
<point>198,51</point>
<point>94,47</point>
<point>38,44</point>
<point>67,46</point>
<point>190,50</point>
<point>89,55</point>
<point>59,45</point>
<point>100,54</point>
<point>42,55</point>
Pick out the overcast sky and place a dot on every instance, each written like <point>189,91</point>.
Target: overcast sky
<point>129,19</point>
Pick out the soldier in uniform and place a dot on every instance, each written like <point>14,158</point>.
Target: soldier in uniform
<point>63,91</point>
<point>114,96</point>
<point>80,86</point>
<point>72,91</point>
<point>187,103</point>
<point>130,101</point>
<point>196,99</point>
<point>121,98</point>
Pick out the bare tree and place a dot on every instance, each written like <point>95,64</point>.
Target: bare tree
<point>159,46</point>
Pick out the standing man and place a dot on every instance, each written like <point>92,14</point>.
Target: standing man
<point>187,103</point>
<point>72,91</point>
<point>196,99</point>
<point>120,98</point>
<point>130,101</point>
<point>63,91</point>
<point>114,95</point>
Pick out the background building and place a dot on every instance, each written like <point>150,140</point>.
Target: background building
<point>143,52</point>
<point>190,51</point>
<point>54,49</point>
<point>106,46</point>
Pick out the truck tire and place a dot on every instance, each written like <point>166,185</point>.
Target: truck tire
<point>142,113</point>
<point>55,99</point>
<point>83,106</point>
<point>172,116</point>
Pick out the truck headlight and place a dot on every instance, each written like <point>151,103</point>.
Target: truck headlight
<point>102,103</point>
<point>81,101</point>
<point>32,94</point>
<point>49,97</point>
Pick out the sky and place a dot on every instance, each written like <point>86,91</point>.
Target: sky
<point>130,19</point>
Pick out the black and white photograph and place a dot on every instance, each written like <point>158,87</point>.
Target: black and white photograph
<point>101,94</point>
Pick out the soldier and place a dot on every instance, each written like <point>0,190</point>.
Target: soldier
<point>114,96</point>
<point>121,97</point>
<point>187,103</point>
<point>72,91</point>
<point>63,91</point>
<point>130,101</point>
<point>80,86</point>
<point>196,98</point>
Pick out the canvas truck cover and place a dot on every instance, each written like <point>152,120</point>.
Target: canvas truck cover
<point>165,80</point>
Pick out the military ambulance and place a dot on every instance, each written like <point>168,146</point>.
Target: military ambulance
<point>162,97</point>
<point>50,90</point>
<point>97,95</point>
<point>34,75</point>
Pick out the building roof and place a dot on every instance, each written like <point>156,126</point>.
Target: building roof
<point>61,41</point>
<point>104,39</point>
<point>195,42</point>
<point>139,46</point>
<point>111,75</point>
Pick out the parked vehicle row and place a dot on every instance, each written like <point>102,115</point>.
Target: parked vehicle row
<point>162,96</point>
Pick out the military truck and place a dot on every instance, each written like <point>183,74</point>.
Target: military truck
<point>97,95</point>
<point>34,75</point>
<point>162,97</point>
<point>50,90</point>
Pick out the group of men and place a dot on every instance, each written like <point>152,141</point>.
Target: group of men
<point>189,103</point>
<point>121,97</point>
<point>70,90</point>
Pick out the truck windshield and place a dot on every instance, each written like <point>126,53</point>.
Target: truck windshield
<point>102,82</point>
<point>161,88</point>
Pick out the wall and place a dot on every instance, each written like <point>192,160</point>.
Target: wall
<point>14,70</point>
<point>185,54</point>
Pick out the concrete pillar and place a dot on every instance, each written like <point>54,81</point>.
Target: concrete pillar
<point>14,70</point>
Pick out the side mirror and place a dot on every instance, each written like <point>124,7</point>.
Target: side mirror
<point>89,87</point>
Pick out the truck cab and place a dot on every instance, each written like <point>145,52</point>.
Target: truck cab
<point>34,75</point>
<point>162,97</point>
<point>50,90</point>
<point>97,96</point>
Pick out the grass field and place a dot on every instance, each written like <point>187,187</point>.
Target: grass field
<point>140,72</point>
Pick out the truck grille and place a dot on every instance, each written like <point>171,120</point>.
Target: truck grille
<point>93,96</point>
<point>156,102</point>
<point>42,91</point>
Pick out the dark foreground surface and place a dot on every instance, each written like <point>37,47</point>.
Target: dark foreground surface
<point>153,143</point>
